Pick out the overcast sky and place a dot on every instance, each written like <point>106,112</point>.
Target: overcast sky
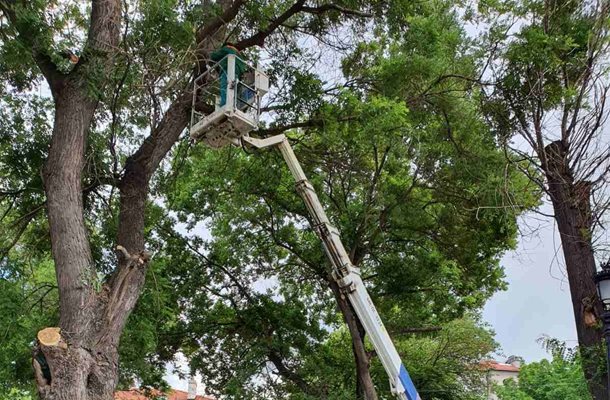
<point>537,301</point>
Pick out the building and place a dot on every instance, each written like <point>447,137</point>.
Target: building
<point>154,394</point>
<point>496,372</point>
<point>143,394</point>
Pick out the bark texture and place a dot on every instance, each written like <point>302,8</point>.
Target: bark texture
<point>69,239</point>
<point>365,388</point>
<point>571,204</point>
<point>86,366</point>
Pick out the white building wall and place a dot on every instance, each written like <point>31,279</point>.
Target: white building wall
<point>497,378</point>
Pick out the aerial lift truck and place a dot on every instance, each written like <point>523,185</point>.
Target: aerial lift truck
<point>230,124</point>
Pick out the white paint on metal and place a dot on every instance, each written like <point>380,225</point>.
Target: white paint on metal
<point>238,116</point>
<point>346,274</point>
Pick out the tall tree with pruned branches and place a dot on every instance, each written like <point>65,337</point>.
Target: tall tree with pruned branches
<point>550,90</point>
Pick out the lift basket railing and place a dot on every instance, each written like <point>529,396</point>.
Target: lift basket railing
<point>235,89</point>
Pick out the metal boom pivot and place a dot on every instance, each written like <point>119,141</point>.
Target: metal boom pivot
<point>345,274</point>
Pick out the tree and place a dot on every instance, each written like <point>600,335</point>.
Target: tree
<point>24,307</point>
<point>441,362</point>
<point>550,89</point>
<point>560,378</point>
<point>105,69</point>
<point>419,210</point>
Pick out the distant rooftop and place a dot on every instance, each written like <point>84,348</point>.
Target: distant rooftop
<point>141,394</point>
<point>498,366</point>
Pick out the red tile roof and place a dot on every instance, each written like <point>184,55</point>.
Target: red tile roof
<point>497,366</point>
<point>142,394</point>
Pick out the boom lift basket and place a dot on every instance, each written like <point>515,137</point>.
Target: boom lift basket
<point>235,88</point>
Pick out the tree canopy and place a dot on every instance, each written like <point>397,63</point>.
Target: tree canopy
<point>220,262</point>
<point>559,378</point>
<point>547,102</point>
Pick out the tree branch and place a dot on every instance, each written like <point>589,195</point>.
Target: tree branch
<point>215,24</point>
<point>28,36</point>
<point>290,375</point>
<point>335,7</point>
<point>258,39</point>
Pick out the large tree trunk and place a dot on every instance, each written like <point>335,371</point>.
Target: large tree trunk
<point>69,238</point>
<point>571,205</point>
<point>85,368</point>
<point>84,365</point>
<point>78,374</point>
<point>365,389</point>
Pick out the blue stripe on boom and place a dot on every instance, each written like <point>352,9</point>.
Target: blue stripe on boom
<point>407,383</point>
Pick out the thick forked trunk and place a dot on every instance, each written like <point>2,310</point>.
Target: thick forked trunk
<point>87,367</point>
<point>83,369</point>
<point>365,389</point>
<point>92,322</point>
<point>571,205</point>
<point>84,365</point>
<point>79,374</point>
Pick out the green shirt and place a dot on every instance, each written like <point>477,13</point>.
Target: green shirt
<point>220,54</point>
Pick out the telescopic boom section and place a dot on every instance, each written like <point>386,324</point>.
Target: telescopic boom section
<point>346,274</point>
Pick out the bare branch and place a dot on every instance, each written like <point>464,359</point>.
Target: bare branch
<point>258,39</point>
<point>28,36</point>
<point>335,7</point>
<point>213,26</point>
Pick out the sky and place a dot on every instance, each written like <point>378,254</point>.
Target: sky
<point>537,301</point>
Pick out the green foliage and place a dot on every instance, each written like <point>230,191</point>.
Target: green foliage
<point>400,155</point>
<point>440,363</point>
<point>28,302</point>
<point>425,204</point>
<point>560,378</point>
<point>548,64</point>
<point>24,131</point>
<point>407,170</point>
<point>16,394</point>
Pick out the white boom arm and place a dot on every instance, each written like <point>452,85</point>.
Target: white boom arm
<point>346,275</point>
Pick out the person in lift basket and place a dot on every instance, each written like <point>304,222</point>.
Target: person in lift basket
<point>245,95</point>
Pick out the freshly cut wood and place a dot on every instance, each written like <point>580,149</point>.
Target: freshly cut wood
<point>49,336</point>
